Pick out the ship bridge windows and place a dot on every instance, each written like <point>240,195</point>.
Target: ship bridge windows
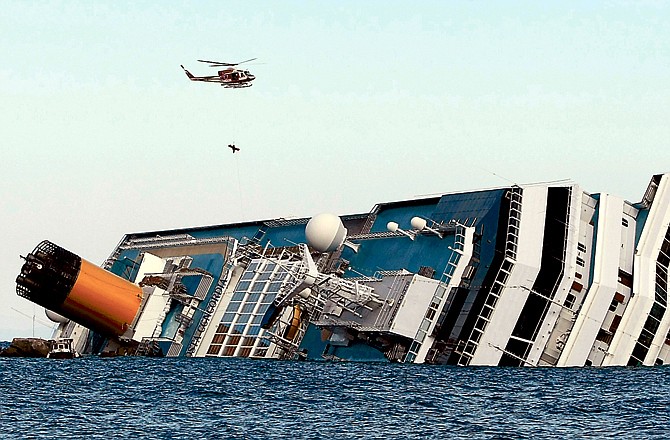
<point>239,334</point>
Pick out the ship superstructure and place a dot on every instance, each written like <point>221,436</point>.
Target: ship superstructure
<point>527,275</point>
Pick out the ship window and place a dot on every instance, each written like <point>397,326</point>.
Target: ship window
<point>253,298</point>
<point>255,330</point>
<point>248,275</point>
<point>243,286</point>
<point>486,312</point>
<point>233,306</point>
<point>615,323</point>
<point>581,247</point>
<point>248,342</point>
<point>430,314</point>
<point>274,286</point>
<point>229,351</point>
<point>424,325</point>
<point>496,288</point>
<point>625,278</point>
<point>570,300</point>
<point>214,349</point>
<point>580,262</point>
<point>613,305</point>
<point>604,336</point>
<point>228,317</point>
<point>245,352</point>
<point>624,222</point>
<point>264,276</point>
<point>258,286</point>
<point>238,296</point>
<point>506,266</point>
<point>218,339</point>
<point>268,297</point>
<point>248,307</point>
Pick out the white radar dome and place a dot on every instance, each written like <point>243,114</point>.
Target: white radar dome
<point>418,223</point>
<point>55,317</point>
<point>325,232</point>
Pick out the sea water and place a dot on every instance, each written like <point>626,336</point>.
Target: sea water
<point>170,398</point>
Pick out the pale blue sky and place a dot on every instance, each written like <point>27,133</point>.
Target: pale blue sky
<point>354,103</point>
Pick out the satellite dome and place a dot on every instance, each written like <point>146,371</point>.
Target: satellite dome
<point>55,317</point>
<point>418,223</point>
<point>325,232</point>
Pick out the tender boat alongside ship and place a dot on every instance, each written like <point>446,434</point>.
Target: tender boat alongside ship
<point>544,274</point>
<point>62,348</point>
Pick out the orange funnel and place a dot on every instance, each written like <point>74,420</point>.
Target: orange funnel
<point>88,295</point>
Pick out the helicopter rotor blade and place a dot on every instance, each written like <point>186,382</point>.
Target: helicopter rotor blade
<point>246,61</point>
<point>221,64</point>
<point>216,63</point>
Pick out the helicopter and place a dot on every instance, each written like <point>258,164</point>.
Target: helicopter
<point>230,77</point>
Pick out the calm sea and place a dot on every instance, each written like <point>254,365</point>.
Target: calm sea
<point>126,398</point>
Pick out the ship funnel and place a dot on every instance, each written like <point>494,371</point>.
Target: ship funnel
<point>75,289</point>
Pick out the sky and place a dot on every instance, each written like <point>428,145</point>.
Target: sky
<point>354,103</point>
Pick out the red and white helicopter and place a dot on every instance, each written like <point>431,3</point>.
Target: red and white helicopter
<point>230,77</point>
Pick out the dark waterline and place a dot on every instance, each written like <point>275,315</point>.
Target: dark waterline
<point>243,399</point>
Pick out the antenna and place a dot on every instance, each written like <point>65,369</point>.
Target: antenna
<point>393,227</point>
<point>420,224</point>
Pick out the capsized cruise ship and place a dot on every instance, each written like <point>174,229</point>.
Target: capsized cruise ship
<point>531,275</point>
